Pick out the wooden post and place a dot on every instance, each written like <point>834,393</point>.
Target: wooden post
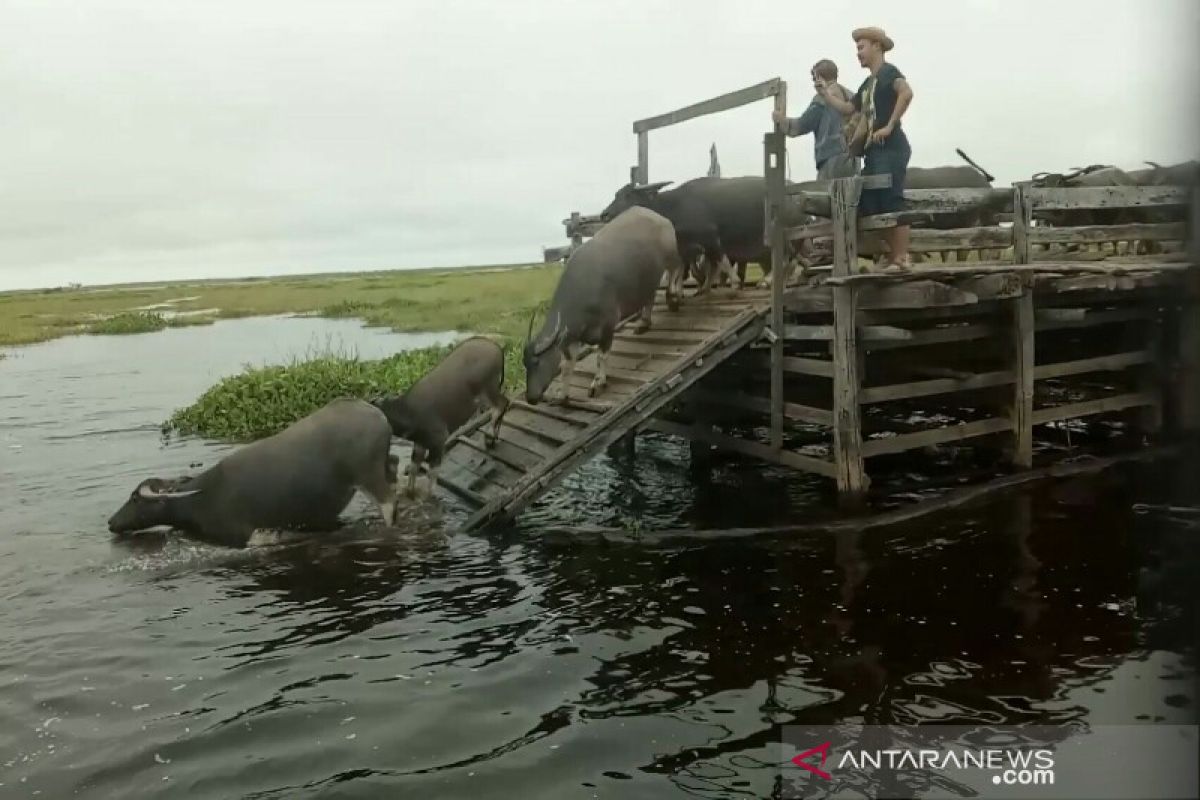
<point>576,236</point>
<point>847,421</point>
<point>643,165</point>
<point>1185,393</point>
<point>1022,221</point>
<point>1023,366</point>
<point>774,149</point>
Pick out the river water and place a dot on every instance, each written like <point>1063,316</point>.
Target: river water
<point>427,663</point>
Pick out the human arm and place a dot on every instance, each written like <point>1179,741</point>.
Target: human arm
<point>843,107</point>
<point>904,96</point>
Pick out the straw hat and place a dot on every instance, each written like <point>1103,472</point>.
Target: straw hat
<point>874,35</point>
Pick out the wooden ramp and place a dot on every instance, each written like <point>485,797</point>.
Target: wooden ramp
<point>540,445</point>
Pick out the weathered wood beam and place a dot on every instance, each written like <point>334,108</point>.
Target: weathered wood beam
<point>872,333</point>
<point>775,166</point>
<point>933,436</point>
<point>945,335</point>
<point>761,405</point>
<point>725,102</point>
<point>926,239</point>
<point>1090,234</point>
<point>745,447</point>
<point>1095,318</point>
<point>903,391</point>
<point>643,162</point>
<point>1024,362</point>
<point>1113,363</point>
<point>1090,197</point>
<point>1091,407</point>
<point>794,364</point>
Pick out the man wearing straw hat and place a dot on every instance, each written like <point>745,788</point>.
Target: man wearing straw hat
<point>883,98</point>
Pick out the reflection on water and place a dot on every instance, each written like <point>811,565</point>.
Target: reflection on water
<point>377,661</point>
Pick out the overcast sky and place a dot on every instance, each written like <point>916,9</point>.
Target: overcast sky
<point>165,139</point>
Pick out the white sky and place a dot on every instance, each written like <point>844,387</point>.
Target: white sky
<point>148,139</point>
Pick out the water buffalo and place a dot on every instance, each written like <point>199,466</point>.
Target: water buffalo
<point>611,277</point>
<point>301,478</point>
<point>1095,175</point>
<point>445,399</point>
<point>719,221</point>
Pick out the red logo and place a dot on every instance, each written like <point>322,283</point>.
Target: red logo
<point>823,749</point>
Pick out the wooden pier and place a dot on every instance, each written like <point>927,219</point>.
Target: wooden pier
<point>824,368</point>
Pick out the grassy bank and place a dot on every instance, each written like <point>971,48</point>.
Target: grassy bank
<point>483,299</point>
<point>262,401</point>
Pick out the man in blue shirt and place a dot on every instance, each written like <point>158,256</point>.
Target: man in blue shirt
<point>825,123</point>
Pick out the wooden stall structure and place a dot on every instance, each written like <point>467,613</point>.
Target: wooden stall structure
<point>849,364</point>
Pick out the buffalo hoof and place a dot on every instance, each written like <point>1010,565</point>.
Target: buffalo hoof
<point>642,327</point>
<point>595,389</point>
<point>489,441</point>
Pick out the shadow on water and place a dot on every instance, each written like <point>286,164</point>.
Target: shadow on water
<point>423,660</point>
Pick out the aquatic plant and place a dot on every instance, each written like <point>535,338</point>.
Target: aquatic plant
<point>262,401</point>
<point>129,322</point>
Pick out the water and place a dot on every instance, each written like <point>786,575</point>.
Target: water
<point>422,662</point>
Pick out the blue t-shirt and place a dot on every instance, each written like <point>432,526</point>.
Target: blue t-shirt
<point>885,95</point>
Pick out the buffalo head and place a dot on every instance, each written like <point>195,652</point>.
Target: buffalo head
<point>399,413</point>
<point>151,504</point>
<point>541,357</point>
<point>631,195</point>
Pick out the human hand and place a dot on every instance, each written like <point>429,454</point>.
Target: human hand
<point>778,117</point>
<point>881,135</point>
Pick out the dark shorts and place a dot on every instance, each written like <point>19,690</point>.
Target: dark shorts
<point>889,158</point>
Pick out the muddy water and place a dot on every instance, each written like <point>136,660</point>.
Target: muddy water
<point>420,662</point>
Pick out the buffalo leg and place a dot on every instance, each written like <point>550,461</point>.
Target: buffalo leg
<point>418,455</point>
<point>381,488</point>
<point>600,380</point>
<point>566,370</point>
<point>645,318</point>
<point>500,405</point>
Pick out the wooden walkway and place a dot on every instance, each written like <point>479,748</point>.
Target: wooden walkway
<point>541,444</point>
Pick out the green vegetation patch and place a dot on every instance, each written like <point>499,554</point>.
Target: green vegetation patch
<point>130,322</point>
<point>262,401</point>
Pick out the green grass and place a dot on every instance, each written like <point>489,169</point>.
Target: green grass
<point>262,401</point>
<point>470,299</point>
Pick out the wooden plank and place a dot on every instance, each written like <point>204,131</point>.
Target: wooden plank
<point>934,436</point>
<point>913,294</point>
<point>952,201</point>
<point>774,150</point>
<point>848,455</point>
<point>713,105</point>
<point>483,466</point>
<point>926,239</point>
<point>553,431</point>
<point>570,415</point>
<point>868,333</point>
<point>643,162</point>
<point>901,391</point>
<point>1024,362</point>
<point>753,449</point>
<point>1090,407</point>
<point>1090,197</point>
<point>1095,319</point>
<point>474,499</point>
<point>943,335</point>
<point>762,405</point>
<point>1186,394</point>
<point>504,451</point>
<point>662,337</point>
<point>1090,234</point>
<point>794,364</point>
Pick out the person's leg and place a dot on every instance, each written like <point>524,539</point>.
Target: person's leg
<point>898,237</point>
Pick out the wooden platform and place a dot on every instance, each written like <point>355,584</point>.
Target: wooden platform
<point>540,444</point>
